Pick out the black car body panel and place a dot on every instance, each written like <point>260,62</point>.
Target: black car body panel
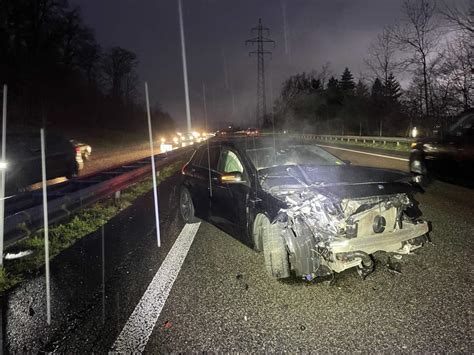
<point>291,194</point>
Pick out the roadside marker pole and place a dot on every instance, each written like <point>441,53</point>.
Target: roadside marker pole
<point>153,169</point>
<point>273,113</point>
<point>46,228</point>
<point>2,174</point>
<point>185,66</point>
<point>207,140</point>
<point>103,277</point>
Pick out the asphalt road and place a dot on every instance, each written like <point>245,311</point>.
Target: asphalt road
<point>222,299</point>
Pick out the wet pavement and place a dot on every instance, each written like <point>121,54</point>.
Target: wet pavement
<point>222,299</point>
<point>84,318</point>
<point>225,301</point>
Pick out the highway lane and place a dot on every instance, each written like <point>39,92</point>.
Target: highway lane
<point>224,301</point>
<point>88,314</point>
<point>376,159</point>
<point>222,298</point>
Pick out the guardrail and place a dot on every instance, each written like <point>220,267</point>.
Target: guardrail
<point>357,139</point>
<point>66,200</point>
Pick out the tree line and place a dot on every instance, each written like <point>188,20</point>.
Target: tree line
<point>431,44</point>
<point>60,77</point>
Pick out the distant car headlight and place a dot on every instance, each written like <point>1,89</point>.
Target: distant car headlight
<point>3,165</point>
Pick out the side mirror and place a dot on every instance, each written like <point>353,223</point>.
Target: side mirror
<point>234,177</point>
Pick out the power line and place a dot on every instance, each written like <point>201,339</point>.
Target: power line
<point>260,41</point>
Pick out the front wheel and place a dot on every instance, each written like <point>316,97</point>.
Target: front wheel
<point>274,252</point>
<point>186,206</point>
<point>259,225</point>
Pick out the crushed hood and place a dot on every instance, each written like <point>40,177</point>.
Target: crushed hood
<point>346,181</point>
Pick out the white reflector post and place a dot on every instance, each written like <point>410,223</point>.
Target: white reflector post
<point>2,171</point>
<point>103,277</point>
<point>153,169</point>
<point>46,225</point>
<point>207,140</point>
<point>185,66</point>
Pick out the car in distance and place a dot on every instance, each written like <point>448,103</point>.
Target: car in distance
<point>449,155</point>
<point>84,148</point>
<point>309,212</point>
<point>83,152</point>
<point>252,132</point>
<point>24,159</point>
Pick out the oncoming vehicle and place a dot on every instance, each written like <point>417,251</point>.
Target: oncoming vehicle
<point>24,159</point>
<point>252,132</point>
<point>449,155</point>
<point>309,212</point>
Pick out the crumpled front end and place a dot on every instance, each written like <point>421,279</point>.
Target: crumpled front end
<point>325,235</point>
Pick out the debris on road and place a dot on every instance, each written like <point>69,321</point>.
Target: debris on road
<point>12,256</point>
<point>394,267</point>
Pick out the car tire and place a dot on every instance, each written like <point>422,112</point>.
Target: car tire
<point>186,206</point>
<point>274,252</point>
<point>259,224</point>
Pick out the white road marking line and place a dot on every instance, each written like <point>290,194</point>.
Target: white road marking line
<point>360,152</point>
<point>136,332</point>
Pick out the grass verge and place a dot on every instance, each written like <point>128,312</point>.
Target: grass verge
<point>63,236</point>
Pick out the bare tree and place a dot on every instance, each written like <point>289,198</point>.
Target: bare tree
<point>418,35</point>
<point>119,73</point>
<point>459,17</point>
<point>383,56</point>
<point>456,71</point>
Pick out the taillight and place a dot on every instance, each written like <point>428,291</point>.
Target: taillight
<point>77,149</point>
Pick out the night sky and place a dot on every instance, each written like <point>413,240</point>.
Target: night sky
<point>318,31</point>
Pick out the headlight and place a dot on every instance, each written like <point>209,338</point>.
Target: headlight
<point>3,165</point>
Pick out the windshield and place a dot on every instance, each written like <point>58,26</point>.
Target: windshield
<point>268,157</point>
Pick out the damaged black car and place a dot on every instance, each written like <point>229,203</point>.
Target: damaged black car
<point>310,213</point>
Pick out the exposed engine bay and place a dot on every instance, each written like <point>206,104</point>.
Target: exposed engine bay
<point>326,234</point>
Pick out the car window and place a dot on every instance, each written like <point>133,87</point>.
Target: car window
<point>211,159</point>
<point>230,162</point>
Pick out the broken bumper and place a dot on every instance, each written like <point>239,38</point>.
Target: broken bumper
<point>397,241</point>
